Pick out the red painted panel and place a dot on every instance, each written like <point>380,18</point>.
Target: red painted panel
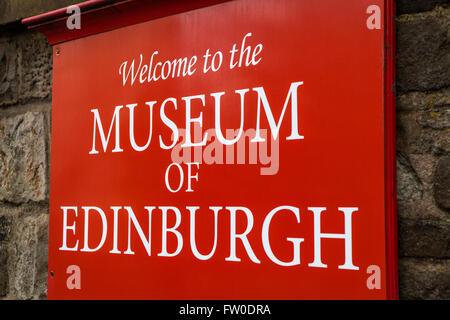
<point>339,164</point>
<point>105,15</point>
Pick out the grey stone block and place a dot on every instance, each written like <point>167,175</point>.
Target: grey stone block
<point>36,67</point>
<point>25,67</point>
<point>424,237</point>
<point>409,187</point>
<point>424,279</point>
<point>416,135</point>
<point>23,158</point>
<point>28,262</point>
<point>414,6</point>
<point>416,100</point>
<point>423,50</point>
<point>9,79</point>
<point>441,185</point>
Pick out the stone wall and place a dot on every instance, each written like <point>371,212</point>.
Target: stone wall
<point>423,145</point>
<point>25,106</point>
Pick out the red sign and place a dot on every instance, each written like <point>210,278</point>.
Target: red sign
<point>242,150</point>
